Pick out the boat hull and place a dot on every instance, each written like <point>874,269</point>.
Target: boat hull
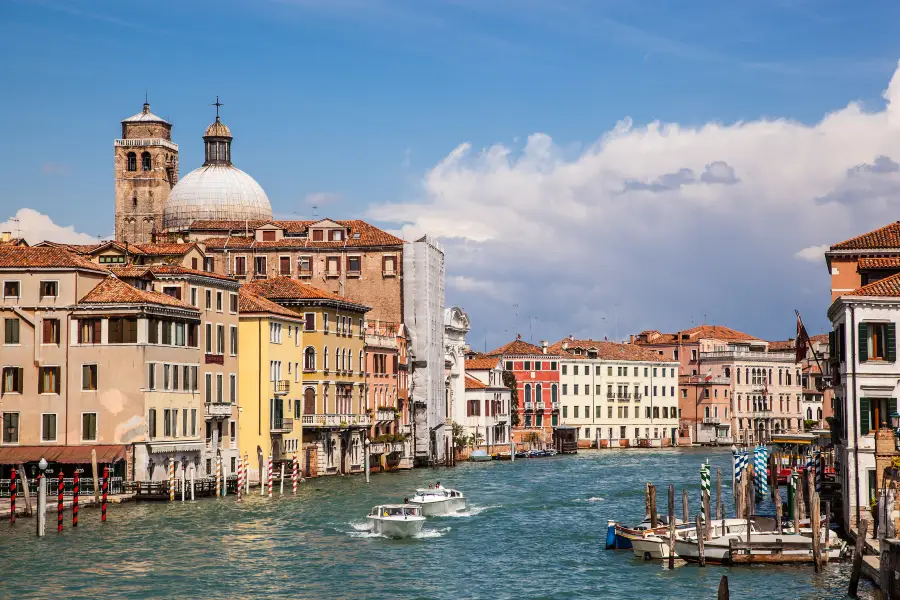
<point>481,458</point>
<point>442,507</point>
<point>398,528</point>
<point>650,548</point>
<point>718,551</point>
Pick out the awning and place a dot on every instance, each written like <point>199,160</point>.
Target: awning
<point>68,455</point>
<point>176,447</point>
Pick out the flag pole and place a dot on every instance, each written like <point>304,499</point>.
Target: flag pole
<point>803,333</point>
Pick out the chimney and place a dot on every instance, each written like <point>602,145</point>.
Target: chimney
<point>518,336</point>
<point>571,338</point>
<point>544,346</point>
<point>565,344</point>
<point>5,236</point>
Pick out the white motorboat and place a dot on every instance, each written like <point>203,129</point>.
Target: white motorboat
<point>396,520</point>
<point>655,545</point>
<point>439,501</point>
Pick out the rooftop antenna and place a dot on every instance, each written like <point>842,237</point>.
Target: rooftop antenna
<point>217,104</point>
<point>315,212</point>
<point>18,229</point>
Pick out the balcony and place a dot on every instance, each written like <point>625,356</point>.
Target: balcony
<point>711,420</point>
<point>610,395</point>
<point>385,415</point>
<point>638,396</point>
<point>378,448</point>
<point>218,409</point>
<point>554,405</point>
<point>529,406</point>
<point>323,420</point>
<point>750,355</point>
<point>282,387</point>
<point>623,397</point>
<point>398,447</point>
<point>281,424</point>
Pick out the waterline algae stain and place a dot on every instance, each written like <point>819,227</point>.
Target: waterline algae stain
<point>534,529</point>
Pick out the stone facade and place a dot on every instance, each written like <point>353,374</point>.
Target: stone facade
<point>146,169</point>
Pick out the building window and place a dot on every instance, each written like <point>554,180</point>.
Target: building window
<point>304,265</point>
<point>309,322</point>
<point>877,341</point>
<point>209,390</point>
<point>122,331</point>
<point>132,161</point>
<point>49,289</point>
<point>389,266</point>
<point>333,266</point>
<point>232,388</point>
<point>10,428</point>
<point>151,423</point>
<point>89,427</point>
<point>240,265</point>
<point>10,331</point>
<point>48,380</point>
<point>565,389</point>
<point>234,340</point>
<point>353,265</point>
<point>234,304</point>
<point>146,162</point>
<point>12,380</point>
<point>309,359</point>
<point>89,378</point>
<point>220,339</point>
<point>48,427</point>
<point>260,265</point>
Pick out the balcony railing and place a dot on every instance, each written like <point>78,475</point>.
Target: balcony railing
<point>749,355</point>
<point>638,396</point>
<point>282,387</point>
<point>338,420</point>
<point>610,395</point>
<point>382,414</point>
<point>281,424</point>
<point>710,420</point>
<point>529,406</point>
<point>218,409</point>
<point>378,448</point>
<point>554,405</point>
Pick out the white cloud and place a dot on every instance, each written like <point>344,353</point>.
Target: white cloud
<point>568,238</point>
<point>37,227</point>
<point>813,253</point>
<point>321,198</point>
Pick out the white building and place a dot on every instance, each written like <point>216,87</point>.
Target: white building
<point>866,380</point>
<point>423,307</point>
<point>487,402</point>
<point>456,326</point>
<point>618,394</point>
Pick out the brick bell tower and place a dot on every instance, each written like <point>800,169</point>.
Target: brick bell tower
<point>146,168</point>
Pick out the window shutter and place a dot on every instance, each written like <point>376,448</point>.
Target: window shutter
<point>832,344</point>
<point>863,342</point>
<point>891,342</point>
<point>863,416</point>
<point>47,337</point>
<point>97,331</point>
<point>892,408</point>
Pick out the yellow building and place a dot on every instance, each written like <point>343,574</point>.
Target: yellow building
<point>333,411</point>
<point>270,354</point>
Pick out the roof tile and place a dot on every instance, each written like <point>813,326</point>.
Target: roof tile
<point>113,290</point>
<point>887,287</point>
<point>883,237</point>
<point>249,303</point>
<point>43,257</point>
<point>610,350</point>
<point>369,235</point>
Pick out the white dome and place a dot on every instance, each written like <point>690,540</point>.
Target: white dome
<point>215,192</point>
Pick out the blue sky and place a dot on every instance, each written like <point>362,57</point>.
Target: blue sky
<point>359,100</point>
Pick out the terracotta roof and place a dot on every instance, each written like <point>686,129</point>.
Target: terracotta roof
<point>179,270</point>
<point>285,288</point>
<point>883,237</point>
<point>819,337</point>
<point>481,362</point>
<point>520,347</point>
<point>892,262</point>
<point>14,242</point>
<point>889,286</point>
<point>165,249</point>
<point>113,290</point>
<point>782,345</point>
<point>249,303</point>
<point>718,332</point>
<point>474,384</point>
<point>369,235</point>
<point>611,350</point>
<point>43,257</point>
<point>130,271</point>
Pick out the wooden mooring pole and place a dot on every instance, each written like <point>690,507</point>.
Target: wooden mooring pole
<point>671,526</point>
<point>720,512</point>
<point>701,551</point>
<point>685,511</point>
<point>723,589</point>
<point>654,516</point>
<point>778,509</point>
<point>853,588</point>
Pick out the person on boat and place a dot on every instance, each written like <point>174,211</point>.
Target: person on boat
<point>438,486</point>
<point>406,501</point>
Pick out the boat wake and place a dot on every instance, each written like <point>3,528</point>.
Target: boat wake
<point>431,533</point>
<point>591,499</point>
<point>471,512</point>
<point>362,530</point>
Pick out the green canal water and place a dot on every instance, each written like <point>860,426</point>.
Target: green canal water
<point>535,529</point>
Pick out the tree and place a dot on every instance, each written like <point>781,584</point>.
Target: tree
<point>460,439</point>
<point>509,380</point>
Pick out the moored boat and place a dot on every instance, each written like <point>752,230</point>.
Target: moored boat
<point>480,456</point>
<point>439,501</point>
<point>396,520</point>
<point>620,537</point>
<point>653,545</point>
<point>777,547</point>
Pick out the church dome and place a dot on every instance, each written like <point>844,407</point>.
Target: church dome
<point>215,192</point>
<point>218,190</point>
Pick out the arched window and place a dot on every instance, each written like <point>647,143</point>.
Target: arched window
<point>739,400</point>
<point>309,397</point>
<point>780,378</point>
<point>362,362</point>
<point>337,359</point>
<point>727,371</point>
<point>809,414</point>
<point>538,395</point>
<point>349,360</point>
<point>553,396</point>
<point>747,375</point>
<point>309,359</point>
<point>819,414</point>
<point>770,376</point>
<point>798,377</point>
<point>325,358</point>
<point>527,392</point>
<point>134,203</point>
<point>781,404</point>
<point>132,161</point>
<point>146,162</point>
<point>706,412</point>
<point>738,371</point>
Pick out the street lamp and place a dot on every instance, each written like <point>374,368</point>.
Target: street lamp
<point>895,420</point>
<point>11,430</point>
<point>366,455</point>
<point>42,465</point>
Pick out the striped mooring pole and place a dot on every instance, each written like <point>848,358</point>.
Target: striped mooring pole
<point>704,489</point>
<point>762,477</point>
<point>820,467</point>
<point>246,473</point>
<point>105,487</point>
<point>269,469</point>
<point>171,480</point>
<point>218,476</point>
<point>240,480</point>
<point>59,502</point>
<point>296,473</point>
<point>12,496</point>
<point>75,492</point>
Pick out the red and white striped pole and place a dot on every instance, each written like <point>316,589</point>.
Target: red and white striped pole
<point>270,475</point>
<point>218,476</point>
<point>240,480</point>
<point>295,474</point>
<point>75,492</point>
<point>105,487</point>
<point>12,496</point>
<point>59,502</point>
<point>171,480</point>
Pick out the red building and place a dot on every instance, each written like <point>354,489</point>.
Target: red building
<point>536,369</point>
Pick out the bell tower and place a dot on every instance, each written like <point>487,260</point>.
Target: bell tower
<point>146,169</point>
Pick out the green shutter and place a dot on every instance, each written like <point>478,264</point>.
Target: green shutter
<point>891,342</point>
<point>863,342</point>
<point>892,408</point>
<point>863,416</point>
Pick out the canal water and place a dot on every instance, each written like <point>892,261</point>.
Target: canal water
<point>535,529</point>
